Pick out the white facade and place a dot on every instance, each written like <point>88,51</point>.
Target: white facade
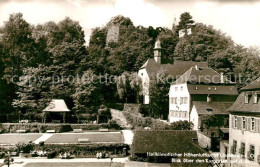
<point>145,83</point>
<point>179,99</point>
<point>244,133</point>
<point>194,118</point>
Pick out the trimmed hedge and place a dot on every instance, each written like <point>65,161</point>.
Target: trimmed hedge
<point>86,150</point>
<point>40,127</point>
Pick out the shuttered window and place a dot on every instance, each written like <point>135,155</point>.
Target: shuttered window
<point>243,123</point>
<point>252,124</point>
<point>235,121</point>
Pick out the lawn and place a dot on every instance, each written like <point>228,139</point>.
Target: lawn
<point>75,164</point>
<point>101,137</point>
<point>16,138</point>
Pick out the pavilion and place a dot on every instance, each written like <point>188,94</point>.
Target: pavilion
<point>56,106</point>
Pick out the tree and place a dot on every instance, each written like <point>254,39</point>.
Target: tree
<point>87,95</point>
<point>159,89</point>
<point>184,50</point>
<point>169,41</point>
<point>18,46</point>
<point>208,121</point>
<point>185,22</point>
<point>129,87</point>
<point>181,125</point>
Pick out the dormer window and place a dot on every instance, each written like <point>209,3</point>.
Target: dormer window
<point>246,98</point>
<point>209,88</point>
<point>209,109</point>
<point>196,88</point>
<point>255,98</point>
<point>208,98</point>
<point>215,88</point>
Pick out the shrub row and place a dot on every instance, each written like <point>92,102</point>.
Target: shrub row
<point>89,150</point>
<point>40,127</point>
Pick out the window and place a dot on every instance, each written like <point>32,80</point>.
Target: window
<point>173,100</point>
<point>234,147</point>
<point>179,114</point>
<point>185,114</point>
<point>242,150</point>
<point>244,122</point>
<point>176,88</point>
<point>185,100</point>
<point>235,121</point>
<point>255,98</point>
<point>181,100</point>
<point>181,88</point>
<point>251,153</point>
<point>252,124</point>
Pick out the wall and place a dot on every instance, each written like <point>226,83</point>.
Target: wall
<point>204,141</point>
<point>145,82</point>
<point>179,107</point>
<point>194,118</point>
<point>247,137</point>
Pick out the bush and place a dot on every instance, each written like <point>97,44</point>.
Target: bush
<point>25,147</point>
<point>138,122</point>
<point>65,128</point>
<point>34,130</point>
<point>51,154</point>
<point>2,155</point>
<point>181,125</point>
<point>113,125</point>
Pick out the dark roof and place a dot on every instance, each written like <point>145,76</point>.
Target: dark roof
<point>240,106</point>
<point>253,86</point>
<point>175,70</point>
<point>202,75</point>
<point>180,67</point>
<point>212,108</point>
<point>165,142</point>
<point>212,89</point>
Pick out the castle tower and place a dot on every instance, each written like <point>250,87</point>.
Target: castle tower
<point>157,51</point>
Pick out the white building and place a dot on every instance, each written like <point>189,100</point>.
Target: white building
<point>152,66</point>
<point>244,132</point>
<point>200,84</point>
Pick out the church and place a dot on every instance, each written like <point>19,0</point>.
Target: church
<point>153,65</point>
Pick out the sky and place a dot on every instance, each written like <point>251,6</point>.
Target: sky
<point>239,19</point>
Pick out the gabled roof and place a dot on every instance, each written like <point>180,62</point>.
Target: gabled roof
<point>255,85</point>
<point>201,75</point>
<point>175,141</point>
<point>212,108</point>
<point>240,106</point>
<point>174,70</point>
<point>57,105</point>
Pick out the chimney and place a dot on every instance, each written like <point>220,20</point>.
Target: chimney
<point>221,77</point>
<point>157,51</point>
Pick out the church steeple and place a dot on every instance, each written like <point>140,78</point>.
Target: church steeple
<point>157,51</point>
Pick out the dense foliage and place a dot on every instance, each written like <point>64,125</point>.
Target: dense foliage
<point>46,61</point>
